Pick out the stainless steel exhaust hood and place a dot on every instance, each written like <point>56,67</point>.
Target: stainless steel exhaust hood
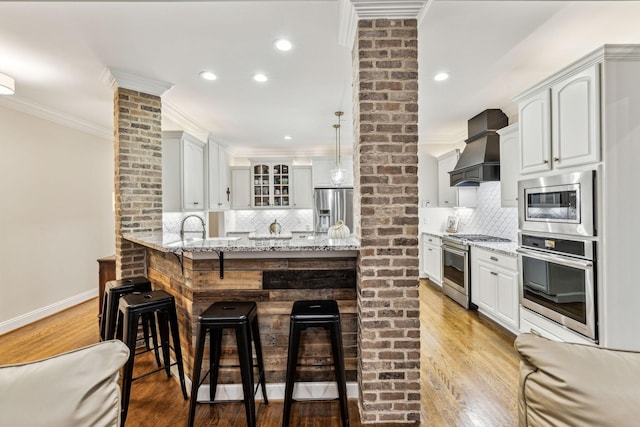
<point>480,160</point>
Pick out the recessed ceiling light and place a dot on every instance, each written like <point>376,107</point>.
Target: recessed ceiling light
<point>441,76</point>
<point>287,137</point>
<point>7,85</point>
<point>260,77</point>
<point>208,75</point>
<point>283,45</point>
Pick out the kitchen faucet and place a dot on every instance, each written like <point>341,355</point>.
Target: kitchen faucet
<point>182,226</point>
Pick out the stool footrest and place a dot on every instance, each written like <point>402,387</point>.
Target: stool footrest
<point>146,374</point>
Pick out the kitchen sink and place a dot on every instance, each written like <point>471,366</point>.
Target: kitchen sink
<point>212,241</point>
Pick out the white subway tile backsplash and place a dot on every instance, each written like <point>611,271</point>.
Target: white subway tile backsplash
<point>259,220</point>
<point>489,217</point>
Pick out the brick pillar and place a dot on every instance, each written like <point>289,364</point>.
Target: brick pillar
<point>138,175</point>
<point>386,163</point>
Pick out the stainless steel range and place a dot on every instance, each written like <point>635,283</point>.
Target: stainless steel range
<point>456,265</point>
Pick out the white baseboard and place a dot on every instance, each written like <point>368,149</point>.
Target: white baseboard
<point>41,313</point>
<point>301,391</point>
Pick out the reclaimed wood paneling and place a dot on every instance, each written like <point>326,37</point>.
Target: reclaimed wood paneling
<point>197,284</point>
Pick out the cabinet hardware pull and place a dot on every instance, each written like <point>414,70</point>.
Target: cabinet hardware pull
<point>545,161</point>
<point>430,249</point>
<point>228,193</point>
<point>493,258</point>
<point>195,203</point>
<point>556,159</point>
<point>493,273</point>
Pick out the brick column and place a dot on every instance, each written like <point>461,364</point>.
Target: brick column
<point>138,175</point>
<point>386,164</point>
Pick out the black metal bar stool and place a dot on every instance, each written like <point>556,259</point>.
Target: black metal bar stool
<point>132,307</point>
<point>243,318</point>
<point>315,314</point>
<point>109,328</point>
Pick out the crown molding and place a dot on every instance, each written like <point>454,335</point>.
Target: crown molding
<point>184,121</point>
<point>353,10</point>
<point>34,109</point>
<point>117,78</point>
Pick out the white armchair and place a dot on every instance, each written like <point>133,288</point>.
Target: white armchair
<point>78,388</point>
<point>566,385</point>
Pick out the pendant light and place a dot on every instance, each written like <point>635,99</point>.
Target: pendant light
<point>337,174</point>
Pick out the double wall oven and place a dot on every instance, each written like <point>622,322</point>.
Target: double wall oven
<point>557,249</point>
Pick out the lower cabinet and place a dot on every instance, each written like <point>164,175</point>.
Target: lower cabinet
<point>432,258</point>
<point>494,287</point>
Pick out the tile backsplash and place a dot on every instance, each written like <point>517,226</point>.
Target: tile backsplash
<point>172,221</point>
<point>489,217</point>
<point>259,220</point>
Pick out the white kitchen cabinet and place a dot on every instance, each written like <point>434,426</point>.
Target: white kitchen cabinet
<point>302,193</point>
<point>494,287</point>
<point>560,123</point>
<point>321,168</point>
<point>509,171</point>
<point>240,188</point>
<point>183,172</point>
<point>453,197</point>
<point>218,177</point>
<point>432,258</point>
<point>271,184</point>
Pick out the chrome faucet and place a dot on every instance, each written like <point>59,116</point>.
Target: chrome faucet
<point>182,226</point>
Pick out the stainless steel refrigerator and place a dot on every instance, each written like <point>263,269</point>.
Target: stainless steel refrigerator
<point>330,205</point>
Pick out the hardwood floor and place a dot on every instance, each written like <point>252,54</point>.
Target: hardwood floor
<point>469,372</point>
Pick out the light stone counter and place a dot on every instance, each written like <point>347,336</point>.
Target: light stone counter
<point>506,248</point>
<point>243,247</point>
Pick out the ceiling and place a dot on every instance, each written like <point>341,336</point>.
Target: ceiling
<point>60,53</point>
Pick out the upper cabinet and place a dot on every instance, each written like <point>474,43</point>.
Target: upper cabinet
<point>322,167</point>
<point>218,177</point>
<point>183,172</point>
<point>453,197</point>
<point>241,187</point>
<point>509,171</point>
<point>302,194</point>
<point>271,185</point>
<point>560,123</point>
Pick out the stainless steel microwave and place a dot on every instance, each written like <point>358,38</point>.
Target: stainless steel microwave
<point>563,204</point>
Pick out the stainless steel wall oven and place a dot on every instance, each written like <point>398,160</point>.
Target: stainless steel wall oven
<point>557,280</point>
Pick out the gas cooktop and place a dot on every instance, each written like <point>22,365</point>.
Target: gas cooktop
<point>477,238</point>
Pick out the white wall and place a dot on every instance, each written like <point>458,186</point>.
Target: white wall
<point>56,219</point>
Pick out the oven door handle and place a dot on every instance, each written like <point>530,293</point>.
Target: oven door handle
<point>454,251</point>
<point>556,259</point>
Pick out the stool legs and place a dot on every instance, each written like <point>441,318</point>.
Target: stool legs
<point>292,361</point>
<point>195,377</point>
<point>246,372</point>
<point>130,332</point>
<point>255,333</point>
<point>341,378</point>
<point>173,323</point>
<point>214,361</point>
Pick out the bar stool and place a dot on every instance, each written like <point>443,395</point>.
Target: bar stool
<point>243,318</point>
<point>109,328</point>
<point>312,314</point>
<point>132,307</point>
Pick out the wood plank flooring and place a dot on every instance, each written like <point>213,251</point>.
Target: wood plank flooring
<point>469,372</point>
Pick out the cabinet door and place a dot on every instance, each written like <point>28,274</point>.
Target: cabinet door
<point>261,187</point>
<point>507,303</point>
<point>432,261</point>
<point>224,196</point>
<point>240,188</point>
<point>281,188</point>
<point>302,187</point>
<point>447,195</point>
<point>509,173</point>
<point>535,133</point>
<point>485,287</point>
<point>193,175</point>
<point>576,120</point>
<point>213,172</point>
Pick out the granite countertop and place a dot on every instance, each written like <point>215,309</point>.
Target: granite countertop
<point>168,242</point>
<point>506,248</point>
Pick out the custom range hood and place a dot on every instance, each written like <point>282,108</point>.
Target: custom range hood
<point>480,160</point>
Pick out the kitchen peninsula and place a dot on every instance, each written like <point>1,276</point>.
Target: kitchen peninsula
<point>272,272</point>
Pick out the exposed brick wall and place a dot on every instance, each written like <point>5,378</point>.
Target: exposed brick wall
<point>386,136</point>
<point>138,175</point>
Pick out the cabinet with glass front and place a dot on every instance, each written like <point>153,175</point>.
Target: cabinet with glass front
<point>271,185</point>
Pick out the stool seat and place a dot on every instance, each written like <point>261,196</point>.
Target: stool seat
<point>134,307</point>
<point>322,314</point>
<point>242,317</point>
<point>113,290</point>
